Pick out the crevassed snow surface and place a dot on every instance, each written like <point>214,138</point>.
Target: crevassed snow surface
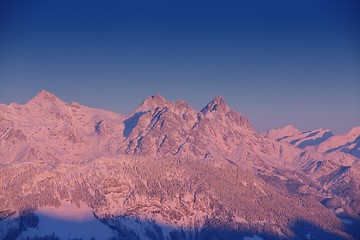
<point>68,221</point>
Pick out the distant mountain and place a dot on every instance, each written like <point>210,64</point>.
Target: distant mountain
<point>282,133</point>
<point>168,171</point>
<point>330,160</point>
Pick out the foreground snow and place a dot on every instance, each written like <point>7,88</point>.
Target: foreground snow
<point>68,221</point>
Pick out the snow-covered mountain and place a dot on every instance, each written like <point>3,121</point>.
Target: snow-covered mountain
<point>168,171</point>
<point>330,160</point>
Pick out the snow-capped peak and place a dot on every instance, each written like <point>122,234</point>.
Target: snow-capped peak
<point>217,104</point>
<point>152,102</point>
<point>354,131</point>
<point>288,130</point>
<point>44,96</point>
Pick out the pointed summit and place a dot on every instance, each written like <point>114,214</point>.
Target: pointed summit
<point>217,104</point>
<point>153,102</point>
<point>45,97</point>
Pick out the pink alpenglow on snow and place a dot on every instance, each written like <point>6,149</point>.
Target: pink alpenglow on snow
<point>170,171</point>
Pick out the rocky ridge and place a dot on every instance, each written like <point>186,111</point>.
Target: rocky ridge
<point>169,171</point>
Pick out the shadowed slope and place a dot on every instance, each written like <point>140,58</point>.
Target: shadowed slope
<point>201,172</point>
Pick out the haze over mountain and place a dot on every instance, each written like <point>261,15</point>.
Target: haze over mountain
<point>169,171</point>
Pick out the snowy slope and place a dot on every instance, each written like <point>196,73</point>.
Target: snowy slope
<point>168,171</point>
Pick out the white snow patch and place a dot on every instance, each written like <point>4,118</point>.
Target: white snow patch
<point>68,222</point>
<point>339,210</point>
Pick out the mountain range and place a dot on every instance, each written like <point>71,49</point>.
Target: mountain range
<point>168,171</point>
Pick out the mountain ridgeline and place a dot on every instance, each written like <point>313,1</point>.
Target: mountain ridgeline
<point>168,171</point>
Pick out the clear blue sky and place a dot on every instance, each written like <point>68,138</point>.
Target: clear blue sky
<point>278,62</point>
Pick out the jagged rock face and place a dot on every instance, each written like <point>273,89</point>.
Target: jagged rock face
<point>60,132</point>
<point>161,128</point>
<point>168,170</point>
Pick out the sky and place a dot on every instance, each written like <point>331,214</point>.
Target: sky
<point>278,62</point>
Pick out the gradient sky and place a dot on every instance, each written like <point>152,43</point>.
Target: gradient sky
<point>278,62</point>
